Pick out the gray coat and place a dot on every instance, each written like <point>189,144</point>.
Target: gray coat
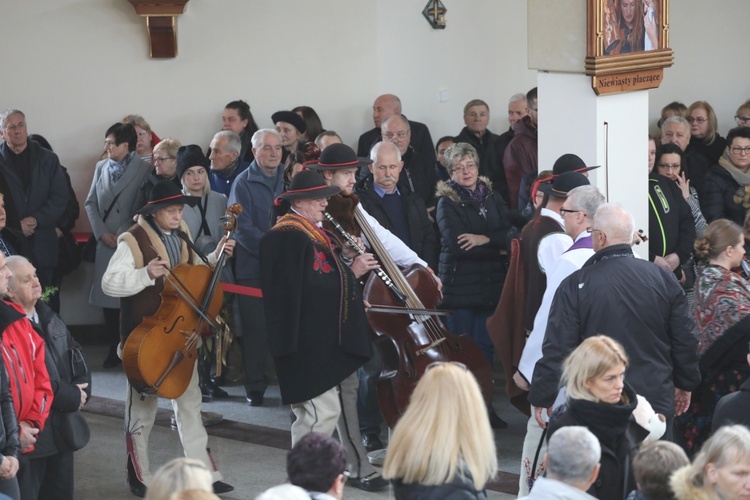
<point>100,197</point>
<point>216,206</point>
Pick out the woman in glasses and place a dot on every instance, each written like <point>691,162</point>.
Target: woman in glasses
<point>704,134</point>
<point>726,188</point>
<point>442,447</point>
<point>473,223</point>
<point>597,397</point>
<point>671,225</point>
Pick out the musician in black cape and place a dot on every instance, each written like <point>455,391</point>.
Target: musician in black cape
<point>317,328</point>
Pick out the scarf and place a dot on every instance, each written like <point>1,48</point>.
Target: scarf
<point>608,422</point>
<point>117,168</point>
<point>742,195</point>
<point>722,299</point>
<point>228,172</point>
<point>476,197</point>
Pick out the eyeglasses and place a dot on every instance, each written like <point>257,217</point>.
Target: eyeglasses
<point>439,363</point>
<point>162,158</point>
<point>465,168</point>
<point>696,119</point>
<point>564,211</point>
<point>742,119</point>
<point>109,143</point>
<point>590,231</point>
<point>738,150</point>
<point>142,133</point>
<point>390,135</point>
<point>676,166</point>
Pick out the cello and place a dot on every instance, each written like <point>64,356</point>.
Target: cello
<point>159,355</point>
<point>407,333</point>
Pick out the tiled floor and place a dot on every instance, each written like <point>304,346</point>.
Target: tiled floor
<point>250,446</point>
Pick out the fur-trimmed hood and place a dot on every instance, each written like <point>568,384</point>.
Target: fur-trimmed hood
<point>444,188</point>
<point>684,489</point>
<point>158,246</point>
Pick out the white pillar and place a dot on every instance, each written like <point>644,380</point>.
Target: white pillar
<point>611,131</point>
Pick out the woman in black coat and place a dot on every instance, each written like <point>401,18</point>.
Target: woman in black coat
<point>473,224</point>
<point>726,190</point>
<point>598,398</point>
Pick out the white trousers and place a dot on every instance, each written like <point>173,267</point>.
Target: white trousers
<point>335,409</point>
<point>531,443</point>
<point>139,420</point>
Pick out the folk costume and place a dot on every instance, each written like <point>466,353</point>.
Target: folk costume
<point>127,278</point>
<point>317,328</point>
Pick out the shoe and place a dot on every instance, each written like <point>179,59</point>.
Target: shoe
<point>373,482</point>
<point>211,418</point>
<point>218,393</point>
<point>112,361</point>
<point>137,488</point>
<point>371,442</point>
<point>377,457</point>
<point>222,487</point>
<point>206,396</point>
<point>495,421</point>
<point>255,398</point>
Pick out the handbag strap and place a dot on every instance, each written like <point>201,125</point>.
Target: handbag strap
<point>111,206</point>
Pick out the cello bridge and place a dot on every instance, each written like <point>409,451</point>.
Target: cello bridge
<point>432,345</point>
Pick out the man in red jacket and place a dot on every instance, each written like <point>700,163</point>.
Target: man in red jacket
<point>23,353</point>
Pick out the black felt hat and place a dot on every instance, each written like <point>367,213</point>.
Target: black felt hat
<point>190,156</point>
<point>166,194</point>
<point>290,117</point>
<point>570,163</point>
<point>337,156</point>
<point>564,183</point>
<point>308,185</point>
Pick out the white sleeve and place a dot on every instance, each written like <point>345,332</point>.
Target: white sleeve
<point>401,254</point>
<point>122,279</point>
<point>532,350</point>
<point>551,248</point>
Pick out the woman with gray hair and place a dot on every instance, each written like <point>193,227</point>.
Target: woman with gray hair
<point>474,228</point>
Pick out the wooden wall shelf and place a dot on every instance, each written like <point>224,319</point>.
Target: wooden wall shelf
<point>161,24</point>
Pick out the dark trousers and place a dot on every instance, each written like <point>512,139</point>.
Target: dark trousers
<point>254,339</point>
<point>112,324</point>
<point>49,478</point>
<point>368,406</point>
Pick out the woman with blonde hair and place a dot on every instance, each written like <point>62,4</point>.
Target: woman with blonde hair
<point>443,445</point>
<point>722,314</point>
<point>721,471</point>
<point>597,397</point>
<point>704,134</point>
<point>177,475</point>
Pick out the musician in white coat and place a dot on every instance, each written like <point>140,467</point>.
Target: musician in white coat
<point>578,212</point>
<point>136,274</point>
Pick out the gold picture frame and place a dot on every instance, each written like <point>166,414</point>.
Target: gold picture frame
<point>627,46</point>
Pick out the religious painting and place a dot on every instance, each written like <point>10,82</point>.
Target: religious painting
<point>628,44</point>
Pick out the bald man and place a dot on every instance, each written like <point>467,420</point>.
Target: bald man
<point>384,107</point>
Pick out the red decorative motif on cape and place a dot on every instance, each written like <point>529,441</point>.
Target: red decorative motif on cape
<point>320,263</point>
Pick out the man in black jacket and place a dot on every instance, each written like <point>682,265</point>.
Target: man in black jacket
<point>635,302</point>
<point>38,206</point>
<point>396,208</point>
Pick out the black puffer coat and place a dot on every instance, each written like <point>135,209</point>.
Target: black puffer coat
<point>471,279</point>
<point>717,197</point>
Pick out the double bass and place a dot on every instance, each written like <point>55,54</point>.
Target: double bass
<point>408,334</point>
<point>159,355</point>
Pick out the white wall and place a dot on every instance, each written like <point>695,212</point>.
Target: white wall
<point>77,66</point>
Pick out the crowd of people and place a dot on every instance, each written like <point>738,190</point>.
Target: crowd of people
<point>534,266</point>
